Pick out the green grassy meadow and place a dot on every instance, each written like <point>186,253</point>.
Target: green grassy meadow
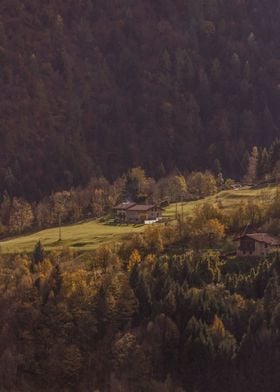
<point>82,236</point>
<point>89,235</point>
<point>226,200</point>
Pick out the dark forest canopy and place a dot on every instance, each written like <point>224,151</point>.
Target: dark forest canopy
<point>94,87</point>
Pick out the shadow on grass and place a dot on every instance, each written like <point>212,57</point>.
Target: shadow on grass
<point>81,244</point>
<point>117,224</point>
<point>111,222</point>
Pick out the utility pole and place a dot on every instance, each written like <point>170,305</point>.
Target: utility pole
<point>182,209</point>
<point>59,226</point>
<point>182,217</point>
<point>60,209</point>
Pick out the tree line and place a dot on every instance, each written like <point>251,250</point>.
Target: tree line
<point>97,199</point>
<point>99,196</point>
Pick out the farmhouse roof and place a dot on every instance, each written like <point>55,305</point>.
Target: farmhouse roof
<point>262,237</point>
<point>124,206</point>
<point>142,207</point>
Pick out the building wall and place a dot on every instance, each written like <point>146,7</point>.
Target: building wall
<point>141,216</point>
<point>121,215</point>
<point>138,216</point>
<point>261,249</point>
<point>133,216</point>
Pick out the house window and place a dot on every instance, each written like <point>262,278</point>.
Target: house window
<point>266,245</point>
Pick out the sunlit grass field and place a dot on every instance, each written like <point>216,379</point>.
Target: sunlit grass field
<point>89,235</point>
<point>226,200</point>
<point>82,236</point>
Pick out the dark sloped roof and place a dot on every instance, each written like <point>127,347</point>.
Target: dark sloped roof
<point>124,206</point>
<point>142,207</point>
<point>262,237</point>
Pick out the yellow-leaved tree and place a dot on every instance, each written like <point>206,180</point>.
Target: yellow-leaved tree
<point>135,258</point>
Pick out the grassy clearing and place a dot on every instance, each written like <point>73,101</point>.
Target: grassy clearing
<point>88,236</point>
<point>226,200</point>
<point>83,236</point>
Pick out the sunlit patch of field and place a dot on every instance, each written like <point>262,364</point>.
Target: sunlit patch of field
<point>226,200</point>
<point>83,236</point>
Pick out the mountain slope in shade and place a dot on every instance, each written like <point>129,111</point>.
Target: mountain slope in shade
<point>95,87</point>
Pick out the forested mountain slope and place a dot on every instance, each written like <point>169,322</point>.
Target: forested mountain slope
<point>95,87</point>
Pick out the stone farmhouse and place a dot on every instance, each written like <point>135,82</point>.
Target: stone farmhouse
<point>130,212</point>
<point>257,244</point>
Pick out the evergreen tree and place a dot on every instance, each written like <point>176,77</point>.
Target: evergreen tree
<point>38,253</point>
<point>57,280</point>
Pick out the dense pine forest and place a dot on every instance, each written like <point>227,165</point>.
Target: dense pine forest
<point>91,88</point>
<point>147,322</point>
